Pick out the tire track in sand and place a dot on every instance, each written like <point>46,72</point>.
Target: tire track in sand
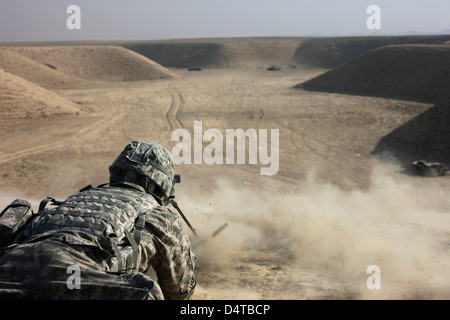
<point>171,116</point>
<point>78,135</point>
<point>98,124</point>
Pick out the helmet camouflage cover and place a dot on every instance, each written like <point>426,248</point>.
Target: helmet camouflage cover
<point>148,159</point>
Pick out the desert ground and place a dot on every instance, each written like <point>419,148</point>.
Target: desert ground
<point>349,111</point>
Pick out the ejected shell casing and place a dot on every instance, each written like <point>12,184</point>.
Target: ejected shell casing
<point>220,229</point>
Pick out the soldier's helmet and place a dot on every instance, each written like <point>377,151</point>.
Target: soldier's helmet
<point>144,163</point>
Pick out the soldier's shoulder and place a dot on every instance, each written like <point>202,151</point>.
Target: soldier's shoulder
<point>163,214</point>
<point>164,209</point>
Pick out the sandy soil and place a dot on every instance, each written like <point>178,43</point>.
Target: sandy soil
<point>308,232</point>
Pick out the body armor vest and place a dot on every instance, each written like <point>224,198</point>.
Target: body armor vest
<point>114,217</point>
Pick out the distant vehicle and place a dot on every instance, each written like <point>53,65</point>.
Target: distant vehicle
<point>424,168</point>
<point>273,68</point>
<point>195,69</point>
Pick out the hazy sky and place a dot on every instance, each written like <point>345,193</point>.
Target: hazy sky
<point>45,20</point>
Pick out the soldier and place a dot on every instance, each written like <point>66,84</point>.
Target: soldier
<point>102,243</point>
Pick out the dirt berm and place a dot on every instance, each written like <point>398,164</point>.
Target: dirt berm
<point>331,52</point>
<point>251,53</point>
<point>96,63</point>
<point>410,72</point>
<point>21,99</point>
<point>426,136</point>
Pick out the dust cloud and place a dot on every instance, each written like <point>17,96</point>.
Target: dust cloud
<point>399,224</point>
<point>319,235</point>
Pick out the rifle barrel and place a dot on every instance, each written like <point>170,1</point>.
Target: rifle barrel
<point>175,205</point>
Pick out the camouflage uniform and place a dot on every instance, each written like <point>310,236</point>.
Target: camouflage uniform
<point>95,231</point>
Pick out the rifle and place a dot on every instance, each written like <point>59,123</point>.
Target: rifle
<point>171,199</point>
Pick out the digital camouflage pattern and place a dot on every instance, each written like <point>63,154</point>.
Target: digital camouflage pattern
<point>80,231</point>
<point>149,159</point>
<point>40,271</point>
<point>12,218</point>
<point>96,231</point>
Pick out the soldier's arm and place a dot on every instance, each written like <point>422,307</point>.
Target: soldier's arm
<point>169,253</point>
